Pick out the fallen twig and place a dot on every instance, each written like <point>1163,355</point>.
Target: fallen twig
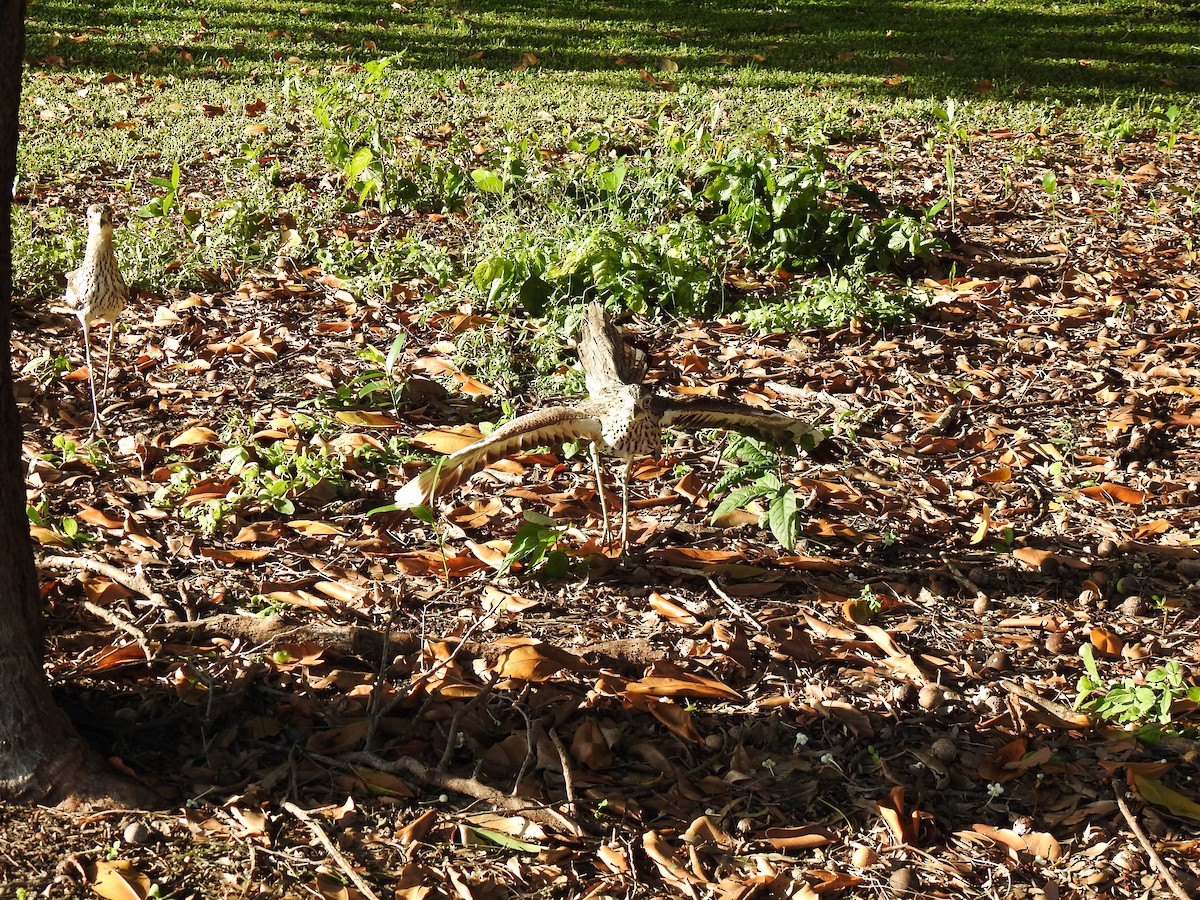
<point>334,853</point>
<point>136,582</point>
<point>1155,859</point>
<point>117,622</point>
<point>469,787</point>
<point>564,763</point>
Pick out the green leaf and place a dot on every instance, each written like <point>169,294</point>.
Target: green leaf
<point>491,275</point>
<point>610,182</point>
<point>1089,662</point>
<point>557,565</point>
<point>504,840</point>
<point>394,352</point>
<point>537,518</point>
<point>1154,791</point>
<point>488,181</point>
<point>529,546</point>
<point>739,498</point>
<point>422,513</point>
<point>362,158</point>
<point>784,519</point>
<point>734,476</point>
<point>534,295</point>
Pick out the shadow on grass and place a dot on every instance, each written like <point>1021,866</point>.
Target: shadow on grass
<point>1075,53</point>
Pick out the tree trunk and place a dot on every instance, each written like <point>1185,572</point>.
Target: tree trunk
<point>42,758</point>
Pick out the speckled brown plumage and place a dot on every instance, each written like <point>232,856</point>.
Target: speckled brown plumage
<point>96,291</point>
<point>620,417</point>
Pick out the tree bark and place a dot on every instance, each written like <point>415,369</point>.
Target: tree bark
<point>42,758</point>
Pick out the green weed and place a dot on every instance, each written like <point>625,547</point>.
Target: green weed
<point>383,384</point>
<point>1133,701</point>
<point>757,477</point>
<point>66,528</point>
<point>833,301</point>
<point>536,547</point>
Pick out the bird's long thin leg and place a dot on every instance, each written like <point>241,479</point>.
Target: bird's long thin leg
<point>87,349</point>
<point>625,503</point>
<point>112,332</point>
<point>600,491</point>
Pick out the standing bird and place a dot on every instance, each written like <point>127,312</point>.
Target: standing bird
<point>96,291</point>
<point>621,417</point>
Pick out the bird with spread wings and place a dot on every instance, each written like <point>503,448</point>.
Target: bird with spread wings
<point>621,417</point>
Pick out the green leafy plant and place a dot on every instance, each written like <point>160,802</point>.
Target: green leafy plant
<point>67,528</point>
<point>953,130</point>
<point>757,476</point>
<point>660,235</point>
<point>1050,187</point>
<point>68,451</point>
<point>383,385</point>
<point>784,215</point>
<point>160,207</point>
<point>47,368</point>
<point>536,547</point>
<point>832,301</point>
<point>1133,701</point>
<point>356,139</point>
<point>1168,117</point>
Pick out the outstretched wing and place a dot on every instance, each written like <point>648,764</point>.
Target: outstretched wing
<point>705,412</point>
<point>607,357</point>
<point>556,424</point>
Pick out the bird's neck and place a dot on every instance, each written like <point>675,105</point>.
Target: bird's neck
<point>99,243</point>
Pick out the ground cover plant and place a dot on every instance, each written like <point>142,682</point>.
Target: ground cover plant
<point>952,654</point>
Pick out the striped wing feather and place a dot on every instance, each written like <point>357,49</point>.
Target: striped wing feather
<point>607,357</point>
<point>554,425</point>
<point>705,412</point>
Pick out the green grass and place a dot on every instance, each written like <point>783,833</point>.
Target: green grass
<point>282,121</point>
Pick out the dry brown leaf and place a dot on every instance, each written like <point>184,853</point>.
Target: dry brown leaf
<point>340,591</point>
<point>857,611</point>
<point>234,556</point>
<point>95,517</point>
<point>674,717</point>
<point>1031,556</point>
<point>115,655</point>
<point>418,829</point>
<point>1154,791</point>
<point>314,528</point>
<point>472,387</point>
<point>1108,643</point>
<point>984,518</point>
<point>695,556</point>
<point>47,537</point>
<point>613,856</point>
<point>330,887</point>
<point>535,661</point>
<point>589,747</point>
<point>117,880</point>
<point>801,838</point>
<point>670,867</point>
<point>303,599</point>
<point>1115,492</point>
<point>382,784</point>
<point>337,740</point>
<point>197,435</point>
<point>368,418</point>
<point>682,684</point>
<point>704,832</point>
<point>904,825</point>
<point>492,554</point>
<point>447,440</point>
<point>671,611</point>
